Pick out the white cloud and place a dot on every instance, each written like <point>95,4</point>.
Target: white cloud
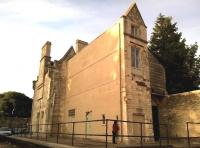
<point>26,26</point>
<point>22,37</point>
<point>34,11</point>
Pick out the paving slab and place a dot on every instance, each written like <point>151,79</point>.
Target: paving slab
<point>32,143</point>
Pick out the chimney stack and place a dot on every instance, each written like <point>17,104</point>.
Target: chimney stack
<point>80,45</point>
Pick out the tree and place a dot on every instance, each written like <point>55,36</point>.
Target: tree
<point>15,104</point>
<point>181,62</point>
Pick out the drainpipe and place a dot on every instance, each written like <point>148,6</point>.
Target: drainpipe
<point>86,123</point>
<point>120,88</point>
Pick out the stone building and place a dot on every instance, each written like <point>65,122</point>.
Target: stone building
<point>113,77</point>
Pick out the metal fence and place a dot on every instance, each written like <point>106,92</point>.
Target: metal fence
<point>78,134</point>
<point>191,136</point>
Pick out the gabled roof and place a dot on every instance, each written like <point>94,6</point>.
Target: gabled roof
<point>134,9</point>
<point>68,55</point>
<point>155,58</point>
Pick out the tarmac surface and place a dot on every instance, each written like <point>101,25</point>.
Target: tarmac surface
<point>7,145</point>
<point>32,143</point>
<point>41,142</point>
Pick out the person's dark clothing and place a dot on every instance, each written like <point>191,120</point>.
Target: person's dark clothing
<point>115,130</point>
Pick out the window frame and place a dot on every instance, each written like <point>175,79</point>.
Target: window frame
<point>71,113</point>
<point>135,57</point>
<point>135,31</point>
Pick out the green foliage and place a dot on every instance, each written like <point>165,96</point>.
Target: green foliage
<point>14,104</point>
<point>181,62</point>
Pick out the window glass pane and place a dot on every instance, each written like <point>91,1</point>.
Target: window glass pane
<point>135,31</point>
<point>133,57</point>
<point>132,30</point>
<point>135,60</point>
<point>71,113</point>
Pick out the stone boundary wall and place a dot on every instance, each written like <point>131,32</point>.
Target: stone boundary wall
<point>177,109</point>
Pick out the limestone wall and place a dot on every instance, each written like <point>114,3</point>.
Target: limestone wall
<point>42,91</point>
<point>178,109</point>
<point>137,82</point>
<point>41,104</point>
<point>92,83</point>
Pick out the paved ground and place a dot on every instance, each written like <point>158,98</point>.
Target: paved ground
<point>89,143</point>
<point>7,145</point>
<point>83,142</point>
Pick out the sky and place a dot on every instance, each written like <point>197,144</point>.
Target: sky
<point>25,25</point>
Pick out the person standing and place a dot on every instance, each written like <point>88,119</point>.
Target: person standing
<point>115,131</point>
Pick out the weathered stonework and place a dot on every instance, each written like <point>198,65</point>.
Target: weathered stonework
<point>178,109</point>
<point>98,79</point>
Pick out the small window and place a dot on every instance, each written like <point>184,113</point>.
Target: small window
<point>135,31</point>
<point>71,113</point>
<point>103,119</point>
<point>135,57</point>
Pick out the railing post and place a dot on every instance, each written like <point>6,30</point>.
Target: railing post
<point>25,131</point>
<point>73,124</point>
<point>46,131</point>
<point>188,134</point>
<point>17,131</point>
<point>141,138</point>
<point>160,142</point>
<point>160,135</point>
<point>106,133</point>
<point>31,131</point>
<point>58,129</point>
<point>167,135</point>
<point>38,130</point>
<point>28,132</point>
<point>21,131</point>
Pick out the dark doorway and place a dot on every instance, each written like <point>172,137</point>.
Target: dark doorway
<point>156,128</point>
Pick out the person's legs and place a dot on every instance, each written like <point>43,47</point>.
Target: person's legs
<point>116,137</point>
<point>113,137</point>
